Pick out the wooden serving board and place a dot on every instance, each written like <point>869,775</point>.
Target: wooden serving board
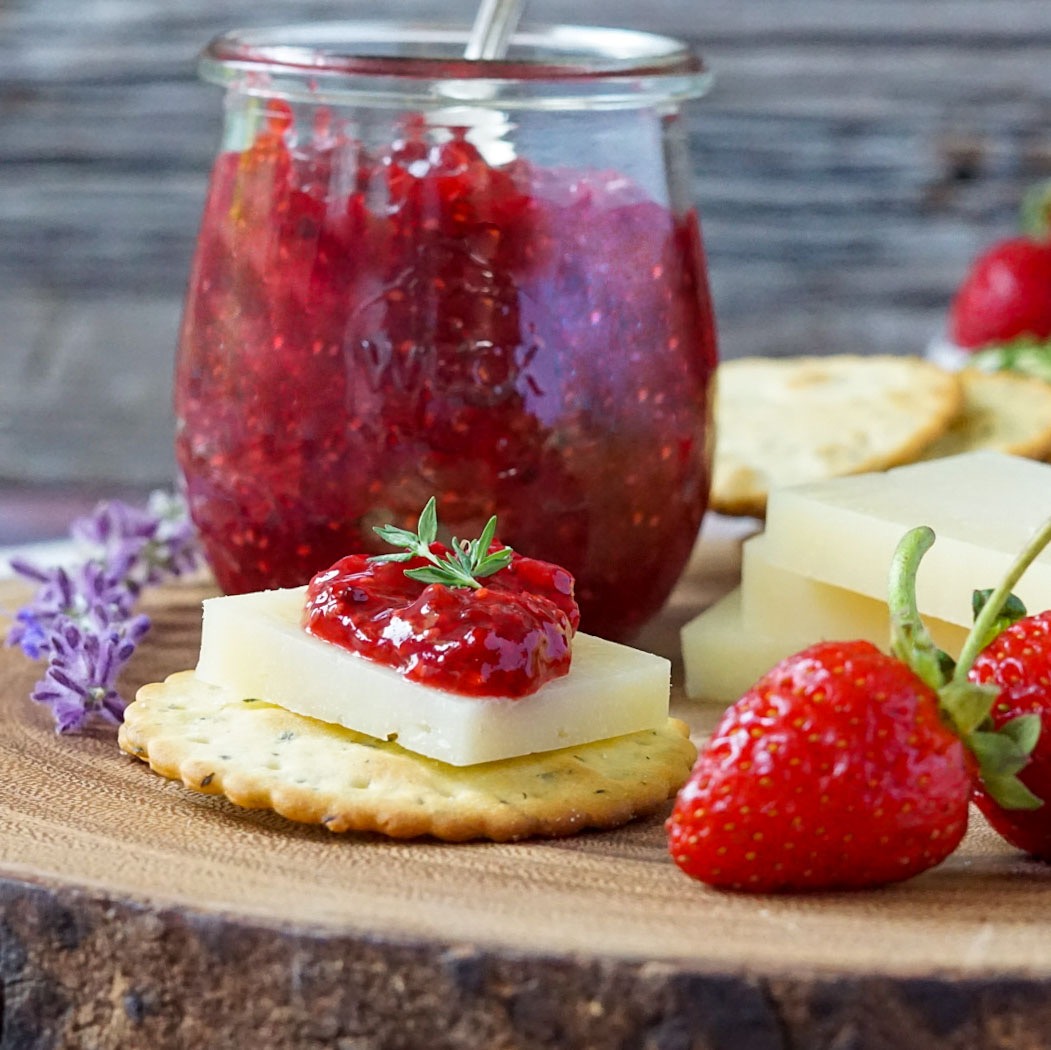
<point>134,913</point>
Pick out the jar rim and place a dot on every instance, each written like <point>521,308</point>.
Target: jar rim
<point>553,65</point>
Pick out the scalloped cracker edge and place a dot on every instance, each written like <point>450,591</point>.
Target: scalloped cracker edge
<point>261,756</point>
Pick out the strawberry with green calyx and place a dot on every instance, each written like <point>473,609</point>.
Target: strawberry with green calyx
<point>1002,309</point>
<point>1017,662</point>
<point>845,767</point>
<point>1001,748</point>
<point>834,771</point>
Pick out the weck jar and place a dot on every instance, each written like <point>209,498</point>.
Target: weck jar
<point>482,280</point>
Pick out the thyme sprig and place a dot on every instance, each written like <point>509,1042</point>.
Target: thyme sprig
<point>468,560</point>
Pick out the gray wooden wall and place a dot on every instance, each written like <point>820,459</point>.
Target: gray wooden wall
<point>852,158</point>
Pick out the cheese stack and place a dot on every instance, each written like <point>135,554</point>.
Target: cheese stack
<point>819,571</point>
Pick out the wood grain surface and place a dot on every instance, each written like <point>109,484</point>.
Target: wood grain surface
<point>852,158</point>
<point>134,913</point>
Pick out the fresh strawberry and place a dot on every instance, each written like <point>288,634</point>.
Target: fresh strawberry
<point>1006,294</point>
<point>1018,662</point>
<point>834,770</point>
<point>844,767</point>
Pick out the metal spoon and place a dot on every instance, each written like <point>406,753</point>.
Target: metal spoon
<point>493,27</point>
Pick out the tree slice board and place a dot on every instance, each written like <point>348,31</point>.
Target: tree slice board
<point>134,913</point>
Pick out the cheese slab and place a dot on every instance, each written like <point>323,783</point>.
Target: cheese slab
<point>983,507</point>
<point>731,644</point>
<point>820,569</point>
<point>254,645</point>
<point>721,658</point>
<point>779,603</point>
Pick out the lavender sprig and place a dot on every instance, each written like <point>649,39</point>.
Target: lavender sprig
<point>80,682</point>
<point>82,619</point>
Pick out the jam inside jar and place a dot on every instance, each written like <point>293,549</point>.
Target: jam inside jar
<point>483,281</point>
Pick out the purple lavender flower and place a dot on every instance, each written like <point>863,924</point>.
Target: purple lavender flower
<point>29,634</point>
<point>82,619</point>
<point>80,682</point>
<point>141,546</point>
<point>88,595</point>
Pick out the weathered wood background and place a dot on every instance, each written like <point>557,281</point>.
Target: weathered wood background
<point>853,157</point>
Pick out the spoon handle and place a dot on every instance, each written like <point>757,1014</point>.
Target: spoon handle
<point>493,27</point>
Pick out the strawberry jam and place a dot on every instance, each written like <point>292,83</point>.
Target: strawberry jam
<point>506,639</point>
<point>368,325</point>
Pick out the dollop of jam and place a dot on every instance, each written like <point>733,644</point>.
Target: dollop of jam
<point>506,639</point>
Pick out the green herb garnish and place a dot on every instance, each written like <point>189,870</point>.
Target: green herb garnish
<point>468,561</point>
<point>1024,354</point>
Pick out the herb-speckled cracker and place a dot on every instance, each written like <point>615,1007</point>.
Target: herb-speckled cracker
<point>262,756</point>
<point>784,421</point>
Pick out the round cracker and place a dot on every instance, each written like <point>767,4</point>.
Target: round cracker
<point>261,756</point>
<point>1004,411</point>
<point>786,421</point>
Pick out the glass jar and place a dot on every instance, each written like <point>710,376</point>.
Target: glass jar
<point>481,280</point>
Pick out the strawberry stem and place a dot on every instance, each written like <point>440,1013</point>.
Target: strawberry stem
<point>985,627</point>
<point>910,640</point>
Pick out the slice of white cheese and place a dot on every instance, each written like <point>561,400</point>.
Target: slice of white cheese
<point>773,614</point>
<point>982,506</point>
<point>254,645</point>
<point>780,603</point>
<point>721,659</point>
<point>820,569</point>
